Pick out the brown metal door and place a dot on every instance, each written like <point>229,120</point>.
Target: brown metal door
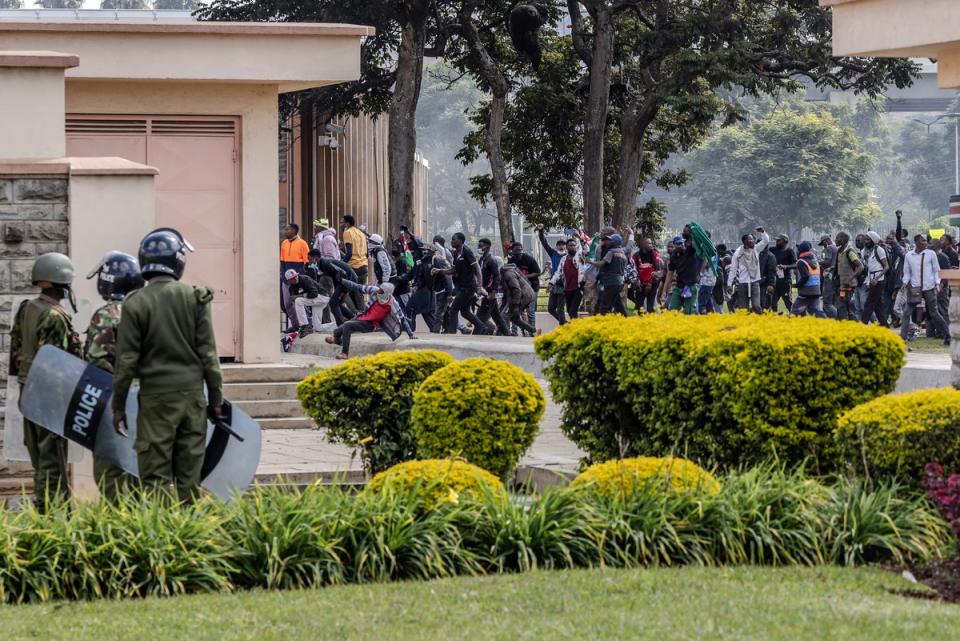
<point>197,193</point>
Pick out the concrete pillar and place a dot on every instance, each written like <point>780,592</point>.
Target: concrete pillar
<point>952,276</point>
<point>32,103</point>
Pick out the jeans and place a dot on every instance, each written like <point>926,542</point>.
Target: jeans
<point>341,335</point>
<point>516,317</point>
<point>532,309</point>
<point>782,292</point>
<point>490,309</point>
<point>934,318</point>
<point>829,297</point>
<point>688,305</point>
<point>846,307</point>
<point>705,299</point>
<point>462,304</point>
<point>806,305</point>
<point>555,306</point>
<point>610,300</point>
<point>572,300</point>
<point>748,297</point>
<point>644,296</point>
<point>874,305</point>
<point>318,304</point>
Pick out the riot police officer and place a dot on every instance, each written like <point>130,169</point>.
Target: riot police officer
<point>117,275</point>
<point>44,321</point>
<point>166,340</point>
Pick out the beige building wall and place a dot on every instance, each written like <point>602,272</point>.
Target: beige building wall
<point>31,103</point>
<point>256,106</point>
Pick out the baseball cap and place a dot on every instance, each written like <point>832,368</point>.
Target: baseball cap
<point>290,274</point>
<point>825,240</point>
<point>783,237</point>
<point>376,239</point>
<point>321,222</point>
<point>678,240</point>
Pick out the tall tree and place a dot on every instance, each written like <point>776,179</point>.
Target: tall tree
<point>59,4</point>
<point>11,4</point>
<point>175,5</point>
<point>669,49</point>
<point>788,171</point>
<point>391,69</point>
<point>124,4</point>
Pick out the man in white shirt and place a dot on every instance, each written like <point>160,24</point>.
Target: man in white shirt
<point>745,271</point>
<point>921,275</point>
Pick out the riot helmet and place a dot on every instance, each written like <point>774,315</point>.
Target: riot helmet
<point>163,252</point>
<point>54,268</point>
<point>118,274</point>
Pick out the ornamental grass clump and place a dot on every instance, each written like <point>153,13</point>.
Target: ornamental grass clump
<point>626,477</point>
<point>898,434</point>
<point>482,410</point>
<point>365,403</point>
<point>725,389</point>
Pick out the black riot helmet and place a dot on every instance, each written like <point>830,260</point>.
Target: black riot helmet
<point>163,252</point>
<point>118,274</point>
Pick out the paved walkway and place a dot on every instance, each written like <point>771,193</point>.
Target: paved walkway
<point>306,453</point>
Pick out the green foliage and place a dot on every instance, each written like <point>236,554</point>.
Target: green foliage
<point>898,434</point>
<point>285,538</point>
<point>622,478</point>
<point>483,410</point>
<point>725,390</point>
<point>365,403</point>
<point>436,481</point>
<point>788,171</point>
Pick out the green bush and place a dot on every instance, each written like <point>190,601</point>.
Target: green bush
<point>622,478</point>
<point>725,389</point>
<point>436,481</point>
<point>276,538</point>
<point>483,410</point>
<point>898,434</point>
<point>365,403</point>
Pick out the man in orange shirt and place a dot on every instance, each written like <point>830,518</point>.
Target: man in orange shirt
<point>293,255</point>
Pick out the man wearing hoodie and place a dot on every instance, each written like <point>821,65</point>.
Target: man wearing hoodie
<point>877,265</point>
<point>383,312</point>
<point>809,283</point>
<point>382,265</point>
<point>326,241</point>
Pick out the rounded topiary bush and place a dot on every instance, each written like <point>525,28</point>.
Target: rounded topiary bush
<point>365,403</point>
<point>435,481</point>
<point>483,410</point>
<point>898,434</point>
<point>726,389</point>
<point>621,479</point>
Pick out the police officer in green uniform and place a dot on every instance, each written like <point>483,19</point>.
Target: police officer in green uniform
<point>165,339</point>
<point>117,274</point>
<point>44,321</point>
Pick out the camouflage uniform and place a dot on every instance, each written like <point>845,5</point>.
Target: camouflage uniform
<point>100,349</point>
<point>43,321</point>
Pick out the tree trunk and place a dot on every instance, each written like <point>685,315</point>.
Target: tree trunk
<point>633,128</point>
<point>498,169</point>
<point>595,127</point>
<point>484,65</point>
<point>402,144</point>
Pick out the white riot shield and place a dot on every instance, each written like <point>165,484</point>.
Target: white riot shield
<point>72,398</point>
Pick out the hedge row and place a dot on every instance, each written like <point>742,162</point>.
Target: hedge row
<point>281,538</point>
<point>399,406</point>
<point>725,390</point>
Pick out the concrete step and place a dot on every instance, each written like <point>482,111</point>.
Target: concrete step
<point>260,391</point>
<point>289,423</point>
<point>271,409</point>
<point>268,373</point>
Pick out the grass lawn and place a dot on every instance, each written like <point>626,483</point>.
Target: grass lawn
<point>929,345</point>
<point>741,604</point>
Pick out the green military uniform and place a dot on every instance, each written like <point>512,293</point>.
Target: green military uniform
<point>100,350</point>
<point>43,321</point>
<point>166,340</point>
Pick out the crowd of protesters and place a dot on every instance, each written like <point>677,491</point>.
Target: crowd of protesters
<point>894,281</point>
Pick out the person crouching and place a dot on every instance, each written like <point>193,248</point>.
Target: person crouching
<point>383,312</point>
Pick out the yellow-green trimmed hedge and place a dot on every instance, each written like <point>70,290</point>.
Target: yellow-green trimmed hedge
<point>365,403</point>
<point>899,434</point>
<point>436,481</point>
<point>621,479</point>
<point>483,410</point>
<point>728,389</point>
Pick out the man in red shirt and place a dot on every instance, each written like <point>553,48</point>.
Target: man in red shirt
<point>383,313</point>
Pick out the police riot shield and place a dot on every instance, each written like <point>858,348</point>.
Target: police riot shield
<point>71,397</point>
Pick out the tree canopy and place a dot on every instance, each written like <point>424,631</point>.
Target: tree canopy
<point>788,171</point>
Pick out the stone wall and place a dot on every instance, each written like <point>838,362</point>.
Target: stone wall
<point>33,221</point>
